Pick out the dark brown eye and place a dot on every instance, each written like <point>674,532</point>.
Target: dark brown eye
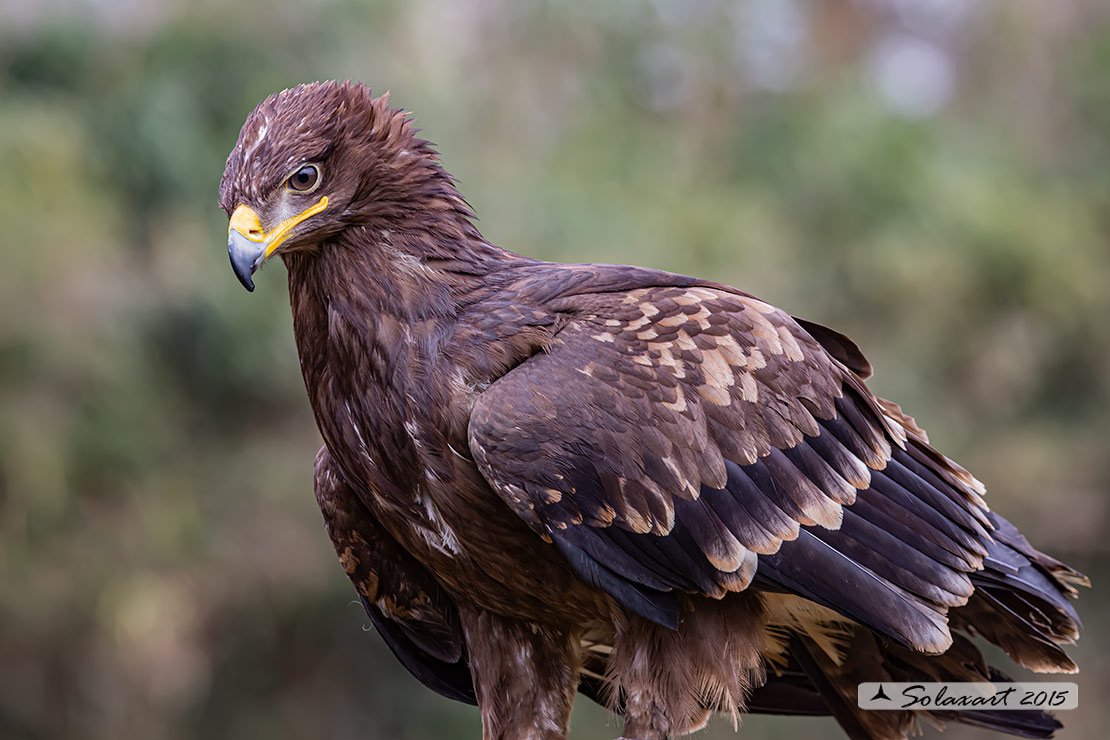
<point>304,179</point>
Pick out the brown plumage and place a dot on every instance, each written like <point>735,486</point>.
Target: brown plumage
<point>653,489</point>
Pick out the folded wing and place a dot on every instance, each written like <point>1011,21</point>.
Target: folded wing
<point>696,439</point>
<point>409,609</point>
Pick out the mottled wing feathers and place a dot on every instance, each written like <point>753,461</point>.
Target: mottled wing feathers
<point>686,438</point>
<point>409,609</point>
<point>656,391</point>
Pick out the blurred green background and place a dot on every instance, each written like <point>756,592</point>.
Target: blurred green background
<point>931,177</point>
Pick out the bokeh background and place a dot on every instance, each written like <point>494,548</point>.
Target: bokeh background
<point>930,176</point>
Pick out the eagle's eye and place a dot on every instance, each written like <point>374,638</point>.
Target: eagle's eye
<point>304,179</point>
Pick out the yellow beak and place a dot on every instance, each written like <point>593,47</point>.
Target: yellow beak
<point>249,246</point>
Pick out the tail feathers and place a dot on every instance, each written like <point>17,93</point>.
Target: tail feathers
<point>813,677</point>
<point>837,685</point>
<point>790,693</point>
<point>1032,724</point>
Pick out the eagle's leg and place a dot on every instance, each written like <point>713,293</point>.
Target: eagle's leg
<point>525,675</point>
<point>670,681</point>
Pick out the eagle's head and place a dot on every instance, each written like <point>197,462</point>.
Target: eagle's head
<point>314,160</point>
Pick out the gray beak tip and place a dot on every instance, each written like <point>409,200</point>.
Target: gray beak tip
<point>243,257</point>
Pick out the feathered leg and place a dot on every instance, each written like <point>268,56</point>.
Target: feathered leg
<point>666,683</point>
<point>525,676</point>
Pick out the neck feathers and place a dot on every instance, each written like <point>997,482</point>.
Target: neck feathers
<point>413,274</point>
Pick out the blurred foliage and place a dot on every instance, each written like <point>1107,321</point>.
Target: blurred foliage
<point>932,178</point>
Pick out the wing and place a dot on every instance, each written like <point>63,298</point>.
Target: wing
<point>684,439</point>
<point>414,615</point>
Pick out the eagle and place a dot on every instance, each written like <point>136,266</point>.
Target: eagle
<point>656,490</point>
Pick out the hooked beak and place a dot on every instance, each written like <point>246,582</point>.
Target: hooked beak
<point>249,246</point>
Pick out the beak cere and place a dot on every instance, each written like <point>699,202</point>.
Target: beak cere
<point>249,246</point>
